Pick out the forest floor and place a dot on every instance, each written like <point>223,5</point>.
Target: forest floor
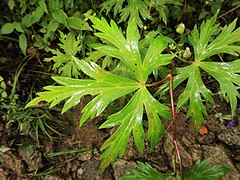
<point>79,147</point>
<point>220,143</point>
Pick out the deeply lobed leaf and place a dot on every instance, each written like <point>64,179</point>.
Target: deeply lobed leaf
<point>194,93</point>
<point>130,120</point>
<point>227,77</point>
<point>133,10</point>
<point>205,47</point>
<point>147,172</point>
<point>201,170</point>
<point>64,62</point>
<point>107,87</point>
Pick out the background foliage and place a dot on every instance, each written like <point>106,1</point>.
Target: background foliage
<point>112,49</point>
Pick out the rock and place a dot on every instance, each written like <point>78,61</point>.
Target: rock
<point>84,156</point>
<point>219,156</point>
<point>12,163</point>
<point>231,137</point>
<point>51,177</point>
<point>194,149</point>
<point>4,174</point>
<point>214,124</point>
<point>89,171</point>
<point>206,139</point>
<point>32,158</point>
<point>122,167</point>
<point>185,156</point>
<point>196,152</point>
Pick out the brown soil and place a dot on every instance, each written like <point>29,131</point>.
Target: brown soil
<point>28,160</point>
<point>220,143</point>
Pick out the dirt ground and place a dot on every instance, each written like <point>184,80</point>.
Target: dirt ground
<point>221,143</point>
<point>23,158</point>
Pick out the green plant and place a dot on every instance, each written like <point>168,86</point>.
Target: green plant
<point>3,93</point>
<point>108,87</point>
<point>30,121</point>
<point>41,20</point>
<point>63,61</point>
<point>141,58</point>
<point>135,8</point>
<point>201,170</point>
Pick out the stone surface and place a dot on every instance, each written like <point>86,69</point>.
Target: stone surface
<point>122,167</point>
<point>219,156</point>
<point>32,158</point>
<point>207,138</point>
<point>11,167</point>
<point>89,171</point>
<point>185,156</point>
<point>231,137</point>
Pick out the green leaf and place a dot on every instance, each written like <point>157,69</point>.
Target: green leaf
<point>163,10</point>
<point>202,171</point>
<point>153,57</point>
<point>60,16</point>
<point>74,89</point>
<point>106,87</point>
<point>43,5</point>
<point>205,47</point>
<point>154,110</point>
<point>23,43</point>
<point>7,28</point>
<point>129,119</point>
<point>18,27</point>
<point>11,4</point>
<point>77,23</point>
<point>194,93</point>
<point>127,49</point>
<point>30,19</point>
<point>146,172</point>
<point>4,149</point>
<point>64,62</point>
<point>108,5</point>
<point>133,10</point>
<point>123,49</point>
<point>227,76</point>
<point>52,26</point>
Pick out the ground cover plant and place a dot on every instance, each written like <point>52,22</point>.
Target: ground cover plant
<point>135,64</point>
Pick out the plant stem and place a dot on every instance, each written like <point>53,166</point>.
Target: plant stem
<point>170,79</point>
<point>157,83</point>
<point>179,58</point>
<point>229,11</point>
<point>175,125</point>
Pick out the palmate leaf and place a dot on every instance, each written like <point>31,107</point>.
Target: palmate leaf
<point>201,170</point>
<point>129,120</point>
<point>147,172</point>
<point>132,10</point>
<point>193,93</point>
<point>205,47</point>
<point>63,61</point>
<point>107,87</point>
<point>225,73</point>
<point>108,5</point>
